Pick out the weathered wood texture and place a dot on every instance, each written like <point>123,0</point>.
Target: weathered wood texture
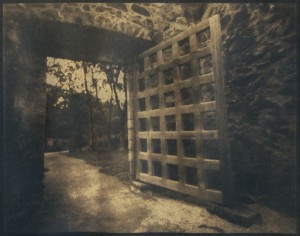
<point>180,116</point>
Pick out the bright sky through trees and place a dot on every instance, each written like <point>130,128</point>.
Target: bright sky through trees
<point>78,78</point>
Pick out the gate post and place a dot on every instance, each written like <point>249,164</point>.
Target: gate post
<point>227,175</point>
<point>131,124</point>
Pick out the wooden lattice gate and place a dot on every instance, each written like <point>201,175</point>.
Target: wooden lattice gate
<point>176,120</point>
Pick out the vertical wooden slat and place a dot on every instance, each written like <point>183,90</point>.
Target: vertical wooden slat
<point>132,120</point>
<point>149,152</point>
<point>193,43</point>
<point>161,117</point>
<point>181,170</point>
<point>226,169</point>
<point>197,115</point>
<point>146,63</point>
<point>149,141</point>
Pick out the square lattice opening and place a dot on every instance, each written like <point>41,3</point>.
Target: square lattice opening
<point>186,96</point>
<point>188,122</point>
<point>156,146</point>
<point>141,65</point>
<point>210,149</point>
<point>142,85</point>
<point>171,147</point>
<point>152,60</point>
<point>156,167</point>
<point>168,76</point>
<point>144,166</point>
<point>209,120</point>
<point>142,104</point>
<point>184,46</point>
<point>143,145</point>
<point>185,71</point>
<point>205,65</point>
<point>154,100</point>
<point>167,54</point>
<point>191,176</point>
<point>143,124</point>
<point>207,92</point>
<point>169,99</point>
<point>153,81</point>
<point>189,147</point>
<point>173,172</point>
<point>170,122</point>
<point>203,38</point>
<point>155,123</point>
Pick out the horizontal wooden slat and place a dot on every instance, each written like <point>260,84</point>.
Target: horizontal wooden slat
<point>171,159</point>
<point>168,134</point>
<point>194,191</point>
<point>187,109</point>
<point>152,134</point>
<point>188,134</point>
<point>168,159</point>
<point>196,81</point>
<point>149,72</point>
<point>192,30</point>
<point>207,106</point>
<point>191,56</point>
<point>169,111</point>
<point>191,162</point>
<point>208,163</point>
<point>185,83</point>
<point>169,87</point>
<point>145,114</point>
<point>187,189</point>
<point>143,155</point>
<point>155,157</point>
<point>211,164</point>
<point>214,195</point>
<point>201,52</point>
<point>207,78</point>
<point>204,134</point>
<point>153,179</point>
<point>211,134</point>
<point>148,92</point>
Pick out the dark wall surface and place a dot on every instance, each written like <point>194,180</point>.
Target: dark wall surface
<point>24,118</point>
<point>259,49</point>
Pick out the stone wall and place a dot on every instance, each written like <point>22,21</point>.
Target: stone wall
<point>259,50</point>
<point>144,21</point>
<point>24,118</point>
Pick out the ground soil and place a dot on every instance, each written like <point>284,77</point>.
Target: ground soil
<point>90,192</point>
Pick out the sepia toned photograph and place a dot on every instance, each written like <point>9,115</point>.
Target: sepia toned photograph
<point>141,117</point>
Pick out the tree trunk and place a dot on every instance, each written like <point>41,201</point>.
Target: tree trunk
<point>92,142</point>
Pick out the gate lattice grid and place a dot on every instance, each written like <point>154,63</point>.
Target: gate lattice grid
<point>180,120</point>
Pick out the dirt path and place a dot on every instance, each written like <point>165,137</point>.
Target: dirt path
<point>79,198</point>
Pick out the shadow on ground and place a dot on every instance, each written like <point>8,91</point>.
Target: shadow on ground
<point>112,163</point>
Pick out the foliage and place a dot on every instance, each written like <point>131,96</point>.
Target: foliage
<point>75,106</point>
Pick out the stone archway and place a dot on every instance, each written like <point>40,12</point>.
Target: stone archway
<point>27,44</point>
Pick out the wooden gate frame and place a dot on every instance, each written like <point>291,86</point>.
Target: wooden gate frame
<point>227,194</point>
